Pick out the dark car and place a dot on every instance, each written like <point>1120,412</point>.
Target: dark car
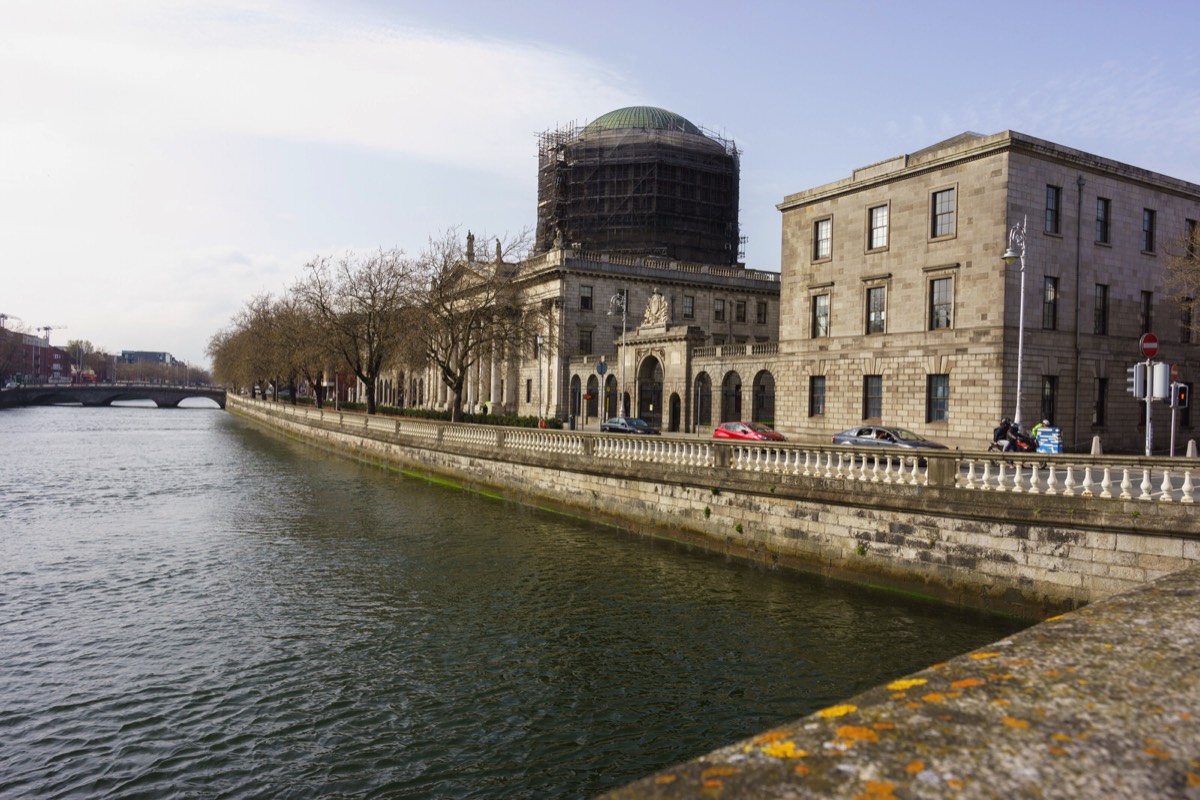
<point>876,436</point>
<point>627,425</point>
<point>752,431</point>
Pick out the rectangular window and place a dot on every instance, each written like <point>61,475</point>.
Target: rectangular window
<point>876,309</point>
<point>1103,218</point>
<point>689,306</point>
<point>1100,313</point>
<point>941,303</point>
<point>1148,221</point>
<point>822,239</point>
<point>528,390</point>
<point>943,213</point>
<point>1053,209</point>
<point>816,395</point>
<point>585,342</point>
<point>1049,393</point>
<point>1099,402</point>
<point>872,397</point>
<point>877,235</point>
<point>719,310</point>
<point>762,312</point>
<point>585,298</point>
<point>937,398</point>
<point>739,311</point>
<point>1147,313</point>
<point>1192,234</point>
<point>820,316</point>
<point>1185,320</point>
<point>1050,304</point>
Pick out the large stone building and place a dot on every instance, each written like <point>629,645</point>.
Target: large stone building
<point>898,307</point>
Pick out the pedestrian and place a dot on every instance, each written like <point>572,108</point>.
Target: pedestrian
<point>1000,436</point>
<point>1043,424</point>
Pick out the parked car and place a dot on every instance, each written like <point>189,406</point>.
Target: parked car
<point>747,431</point>
<point>876,436</point>
<point>627,425</point>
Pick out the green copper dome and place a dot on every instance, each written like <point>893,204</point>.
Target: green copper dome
<point>647,117</point>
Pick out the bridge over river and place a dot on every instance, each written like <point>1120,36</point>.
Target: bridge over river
<point>105,394</point>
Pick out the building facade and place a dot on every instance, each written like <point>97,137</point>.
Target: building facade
<point>897,307</point>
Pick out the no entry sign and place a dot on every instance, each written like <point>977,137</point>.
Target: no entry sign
<point>1149,345</point>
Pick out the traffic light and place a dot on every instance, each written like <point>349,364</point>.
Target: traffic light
<point>1180,399</point>
<point>1136,381</point>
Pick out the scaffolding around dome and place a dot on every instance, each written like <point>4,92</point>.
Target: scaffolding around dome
<point>640,180</point>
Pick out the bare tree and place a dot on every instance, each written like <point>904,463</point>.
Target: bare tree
<point>472,309</point>
<point>1181,277</point>
<point>361,301</point>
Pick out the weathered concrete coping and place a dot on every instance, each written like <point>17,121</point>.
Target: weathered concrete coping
<point>1100,702</point>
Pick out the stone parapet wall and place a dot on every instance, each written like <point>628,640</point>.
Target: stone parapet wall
<point>887,524</point>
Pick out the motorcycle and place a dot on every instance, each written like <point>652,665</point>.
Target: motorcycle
<point>1020,442</point>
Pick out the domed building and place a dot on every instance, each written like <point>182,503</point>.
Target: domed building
<point>639,180</point>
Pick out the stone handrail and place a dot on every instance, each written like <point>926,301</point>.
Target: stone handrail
<point>1157,480</point>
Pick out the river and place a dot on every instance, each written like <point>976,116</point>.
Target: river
<point>191,606</point>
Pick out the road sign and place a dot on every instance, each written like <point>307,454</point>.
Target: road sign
<point>1149,345</point>
<point>601,368</point>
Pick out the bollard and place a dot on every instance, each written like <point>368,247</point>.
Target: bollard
<point>1096,449</point>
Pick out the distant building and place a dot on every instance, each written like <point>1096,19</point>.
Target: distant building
<point>147,357</point>
<point>641,181</point>
<point>898,309</point>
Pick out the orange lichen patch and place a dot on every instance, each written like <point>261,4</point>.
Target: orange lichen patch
<point>1013,722</point>
<point>802,770</point>
<point>906,683</point>
<point>884,726</point>
<point>1154,748</point>
<point>1056,751</point>
<point>877,790</point>
<point>912,704</point>
<point>934,697</point>
<point>1193,780</point>
<point>1000,701</point>
<point>1061,737</point>
<point>770,736</point>
<point>941,664</point>
<point>837,711</point>
<point>662,779</point>
<point>967,683</point>
<point>857,733</point>
<point>913,767</point>
<point>713,784</point>
<point>718,772</point>
<point>955,783</point>
<point>1054,618</point>
<point>899,695</point>
<point>1019,662</point>
<point>783,750</point>
<point>1051,673</point>
<point>982,656</point>
<point>1185,716</point>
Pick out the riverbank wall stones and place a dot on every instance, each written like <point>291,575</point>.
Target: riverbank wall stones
<point>1024,554</point>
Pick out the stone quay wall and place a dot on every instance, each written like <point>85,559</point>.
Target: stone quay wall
<point>1032,539</point>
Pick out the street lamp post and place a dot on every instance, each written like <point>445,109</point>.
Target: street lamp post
<point>539,342</point>
<point>1015,252</point>
<point>620,302</point>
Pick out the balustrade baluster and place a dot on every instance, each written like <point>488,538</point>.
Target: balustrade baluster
<point>985,479</point>
<point>1187,487</point>
<point>1069,483</point>
<point>1000,479</point>
<point>1166,489</point>
<point>1126,485</point>
<point>1051,481</point>
<point>1106,483</point>
<point>828,464</point>
<point>887,469</point>
<point>1034,480</point>
<point>1145,487</point>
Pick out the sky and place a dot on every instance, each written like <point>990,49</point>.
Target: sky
<point>163,161</point>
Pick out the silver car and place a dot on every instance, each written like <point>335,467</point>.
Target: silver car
<point>877,436</point>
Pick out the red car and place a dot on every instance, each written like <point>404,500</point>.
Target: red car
<point>747,430</point>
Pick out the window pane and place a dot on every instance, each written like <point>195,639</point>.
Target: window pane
<point>816,396</point>
<point>1053,204</point>
<point>1148,216</point>
<point>822,238</point>
<point>943,213</point>
<point>876,309</point>
<point>1102,218</point>
<point>1050,304</point>
<point>872,397</point>
<point>878,236</point>
<point>1100,325</point>
<point>937,398</point>
<point>820,316</point>
<point>941,303</point>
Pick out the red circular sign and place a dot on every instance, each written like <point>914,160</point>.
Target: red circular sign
<point>1149,345</point>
